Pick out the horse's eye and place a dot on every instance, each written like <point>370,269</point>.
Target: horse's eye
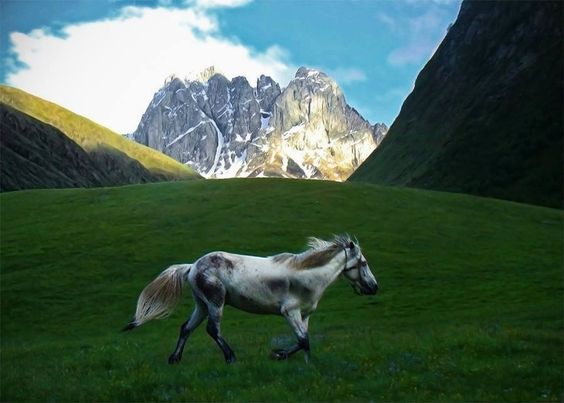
<point>351,245</point>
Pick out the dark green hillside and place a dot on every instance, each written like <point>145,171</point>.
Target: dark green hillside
<point>111,151</point>
<point>470,304</point>
<point>485,116</point>
<point>36,155</point>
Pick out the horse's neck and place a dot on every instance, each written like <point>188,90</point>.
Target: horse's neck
<point>323,276</point>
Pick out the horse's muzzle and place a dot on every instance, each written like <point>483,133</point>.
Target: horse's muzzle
<point>362,289</point>
<point>373,290</point>
<point>370,290</point>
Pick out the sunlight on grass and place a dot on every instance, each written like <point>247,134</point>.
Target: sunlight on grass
<point>92,136</point>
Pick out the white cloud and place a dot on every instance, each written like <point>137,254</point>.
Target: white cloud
<point>420,34</point>
<point>388,21</point>
<point>108,70</point>
<point>347,75</point>
<point>414,52</point>
<point>393,94</point>
<point>221,3</point>
<point>439,2</point>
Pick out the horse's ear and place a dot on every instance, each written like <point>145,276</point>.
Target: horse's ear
<point>351,245</point>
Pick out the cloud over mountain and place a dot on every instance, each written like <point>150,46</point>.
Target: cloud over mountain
<point>122,59</point>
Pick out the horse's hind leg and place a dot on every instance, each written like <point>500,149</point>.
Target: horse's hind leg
<point>198,315</point>
<point>212,291</point>
<point>213,328</point>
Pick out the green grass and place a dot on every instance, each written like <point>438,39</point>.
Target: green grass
<point>470,305</point>
<point>92,136</point>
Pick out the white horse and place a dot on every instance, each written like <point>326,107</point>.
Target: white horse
<point>286,284</point>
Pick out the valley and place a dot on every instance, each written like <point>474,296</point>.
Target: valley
<point>469,303</point>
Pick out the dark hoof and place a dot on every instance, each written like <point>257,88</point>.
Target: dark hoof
<point>230,360</point>
<point>174,359</point>
<point>129,326</point>
<point>279,355</point>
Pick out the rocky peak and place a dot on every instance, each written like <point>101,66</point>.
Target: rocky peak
<point>266,92</point>
<point>379,130</point>
<point>306,73</point>
<point>226,128</point>
<point>204,75</point>
<point>313,80</point>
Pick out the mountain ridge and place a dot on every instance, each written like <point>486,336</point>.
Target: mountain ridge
<point>35,155</point>
<point>43,145</point>
<point>485,115</point>
<point>91,136</point>
<point>226,128</point>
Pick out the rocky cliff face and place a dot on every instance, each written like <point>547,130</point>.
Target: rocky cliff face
<point>228,128</point>
<point>485,116</point>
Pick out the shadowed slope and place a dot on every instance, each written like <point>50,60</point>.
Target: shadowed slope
<point>485,116</point>
<point>36,155</point>
<point>94,138</point>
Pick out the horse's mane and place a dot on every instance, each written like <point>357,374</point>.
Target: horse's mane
<point>320,253</point>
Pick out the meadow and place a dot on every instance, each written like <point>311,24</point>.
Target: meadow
<point>470,306</point>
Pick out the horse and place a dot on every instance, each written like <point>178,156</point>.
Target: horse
<point>286,284</point>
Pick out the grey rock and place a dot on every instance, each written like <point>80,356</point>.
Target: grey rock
<point>227,128</point>
<point>378,132</point>
<point>267,91</point>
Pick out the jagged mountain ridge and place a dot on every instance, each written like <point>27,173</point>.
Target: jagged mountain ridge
<point>226,128</point>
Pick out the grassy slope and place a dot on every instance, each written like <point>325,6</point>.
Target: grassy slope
<point>35,155</point>
<point>470,306</point>
<point>485,116</point>
<point>91,136</point>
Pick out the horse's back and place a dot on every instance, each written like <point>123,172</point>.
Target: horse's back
<point>251,283</point>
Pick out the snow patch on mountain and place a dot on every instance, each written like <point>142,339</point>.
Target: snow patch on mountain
<point>226,128</point>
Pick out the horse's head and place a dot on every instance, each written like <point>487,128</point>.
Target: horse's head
<point>356,270</point>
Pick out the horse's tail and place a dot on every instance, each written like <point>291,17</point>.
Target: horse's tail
<point>160,296</point>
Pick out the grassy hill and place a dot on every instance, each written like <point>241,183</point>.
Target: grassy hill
<point>35,155</point>
<point>92,137</point>
<point>485,116</point>
<point>470,304</point>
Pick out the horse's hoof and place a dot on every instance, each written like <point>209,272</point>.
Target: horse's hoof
<point>230,360</point>
<point>173,359</point>
<point>279,355</point>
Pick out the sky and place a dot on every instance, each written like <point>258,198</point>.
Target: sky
<point>105,59</point>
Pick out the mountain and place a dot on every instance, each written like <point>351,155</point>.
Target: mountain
<point>31,134</point>
<point>34,154</point>
<point>226,128</point>
<point>485,116</point>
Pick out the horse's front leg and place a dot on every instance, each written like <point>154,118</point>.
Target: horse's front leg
<point>300,327</point>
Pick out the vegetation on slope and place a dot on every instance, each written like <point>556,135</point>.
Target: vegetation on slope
<point>36,155</point>
<point>485,116</point>
<point>470,303</point>
<point>92,137</point>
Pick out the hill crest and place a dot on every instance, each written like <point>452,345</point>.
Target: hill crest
<point>94,138</point>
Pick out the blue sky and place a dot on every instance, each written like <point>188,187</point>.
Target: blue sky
<point>105,59</point>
